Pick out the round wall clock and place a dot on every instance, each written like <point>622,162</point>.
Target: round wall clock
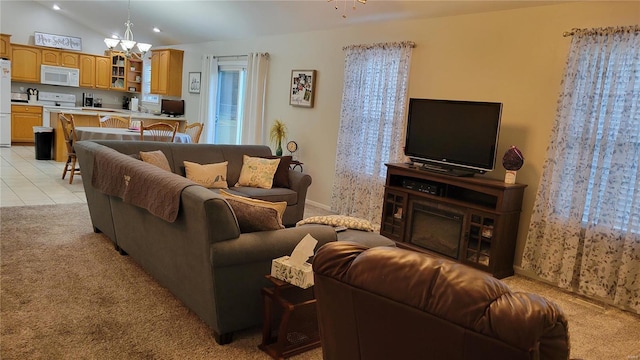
<point>292,146</point>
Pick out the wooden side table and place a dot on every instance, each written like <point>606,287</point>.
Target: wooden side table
<point>290,321</point>
<point>296,164</point>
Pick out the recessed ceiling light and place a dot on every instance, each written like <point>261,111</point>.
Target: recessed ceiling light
<point>56,7</point>
<point>155,29</point>
<point>115,36</point>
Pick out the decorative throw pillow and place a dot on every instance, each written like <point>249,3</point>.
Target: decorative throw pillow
<point>257,172</point>
<point>156,158</point>
<point>279,206</point>
<point>256,215</point>
<point>212,176</point>
<point>338,220</point>
<point>281,177</point>
<point>253,218</point>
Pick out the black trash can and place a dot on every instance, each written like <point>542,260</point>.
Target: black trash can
<point>43,138</point>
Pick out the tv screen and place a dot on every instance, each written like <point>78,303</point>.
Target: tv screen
<point>453,134</point>
<point>172,107</point>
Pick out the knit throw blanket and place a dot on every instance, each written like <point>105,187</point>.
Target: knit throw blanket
<point>139,183</point>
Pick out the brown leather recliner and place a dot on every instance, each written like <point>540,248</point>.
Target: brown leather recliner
<point>391,303</point>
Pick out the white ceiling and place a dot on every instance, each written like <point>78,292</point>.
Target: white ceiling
<point>196,21</point>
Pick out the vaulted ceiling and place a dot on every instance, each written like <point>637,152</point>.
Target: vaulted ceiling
<point>196,21</point>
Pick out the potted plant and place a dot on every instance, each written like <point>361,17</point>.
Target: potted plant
<point>277,134</point>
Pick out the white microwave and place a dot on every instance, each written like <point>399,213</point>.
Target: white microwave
<point>57,75</point>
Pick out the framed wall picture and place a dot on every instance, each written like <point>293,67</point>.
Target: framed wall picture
<point>302,88</point>
<point>194,82</point>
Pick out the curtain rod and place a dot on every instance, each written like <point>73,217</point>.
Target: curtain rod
<point>371,46</point>
<point>603,30</point>
<point>236,57</point>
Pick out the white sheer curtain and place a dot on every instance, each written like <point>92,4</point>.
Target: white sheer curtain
<point>372,122</point>
<point>208,91</point>
<point>585,228</point>
<point>253,123</point>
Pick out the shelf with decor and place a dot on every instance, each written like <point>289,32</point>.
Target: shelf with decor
<point>118,71</point>
<point>134,76</point>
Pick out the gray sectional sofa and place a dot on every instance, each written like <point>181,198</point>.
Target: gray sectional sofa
<point>200,256</point>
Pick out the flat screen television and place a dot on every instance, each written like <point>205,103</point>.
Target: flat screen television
<point>454,137</point>
<point>172,107</point>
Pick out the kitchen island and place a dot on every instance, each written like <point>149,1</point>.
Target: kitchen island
<point>89,117</point>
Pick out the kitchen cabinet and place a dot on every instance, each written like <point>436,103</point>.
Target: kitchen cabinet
<point>23,119</point>
<point>5,46</point>
<point>118,73</point>
<point>95,71</point>
<point>166,72</point>
<point>25,63</point>
<point>103,71</point>
<point>134,76</point>
<point>87,71</point>
<point>60,58</point>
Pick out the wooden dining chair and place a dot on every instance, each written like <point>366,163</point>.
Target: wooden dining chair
<point>70,138</point>
<point>112,121</point>
<point>194,131</point>
<point>158,132</point>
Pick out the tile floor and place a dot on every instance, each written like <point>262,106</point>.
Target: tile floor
<point>27,181</point>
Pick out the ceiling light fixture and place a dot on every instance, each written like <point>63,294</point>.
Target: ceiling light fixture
<point>56,7</point>
<point>128,43</point>
<point>344,5</point>
<point>156,29</point>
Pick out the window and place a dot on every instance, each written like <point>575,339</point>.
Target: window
<point>584,233</point>
<point>371,126</point>
<point>229,102</point>
<point>146,83</point>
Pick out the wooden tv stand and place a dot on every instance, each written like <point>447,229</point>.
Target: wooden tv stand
<point>484,212</point>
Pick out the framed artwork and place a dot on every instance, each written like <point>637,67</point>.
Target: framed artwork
<point>302,88</point>
<point>194,82</point>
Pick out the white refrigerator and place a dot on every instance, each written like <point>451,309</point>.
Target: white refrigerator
<point>5,102</point>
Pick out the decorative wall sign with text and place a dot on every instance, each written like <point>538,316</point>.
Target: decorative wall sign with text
<point>57,41</point>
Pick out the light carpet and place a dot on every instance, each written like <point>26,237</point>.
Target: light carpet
<point>66,293</point>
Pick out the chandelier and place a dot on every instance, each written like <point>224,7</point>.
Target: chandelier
<point>128,43</point>
<point>344,5</point>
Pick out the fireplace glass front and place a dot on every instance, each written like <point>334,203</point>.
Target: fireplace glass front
<point>436,229</point>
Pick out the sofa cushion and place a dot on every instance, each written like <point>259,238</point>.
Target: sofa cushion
<point>281,177</point>
<point>254,217</point>
<point>212,176</point>
<point>156,158</point>
<point>339,220</point>
<point>273,194</point>
<point>257,172</point>
<point>279,206</point>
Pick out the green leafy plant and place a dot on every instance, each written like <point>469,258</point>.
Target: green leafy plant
<point>277,134</point>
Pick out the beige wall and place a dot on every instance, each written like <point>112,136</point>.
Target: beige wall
<point>515,57</point>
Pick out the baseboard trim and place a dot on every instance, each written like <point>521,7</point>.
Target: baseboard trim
<point>319,205</point>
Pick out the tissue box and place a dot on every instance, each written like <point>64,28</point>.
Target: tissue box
<point>300,276</point>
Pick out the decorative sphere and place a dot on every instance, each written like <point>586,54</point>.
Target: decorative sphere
<point>512,159</point>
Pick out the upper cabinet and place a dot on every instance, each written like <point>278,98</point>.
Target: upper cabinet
<point>166,72</point>
<point>134,76</point>
<point>25,63</point>
<point>103,72</point>
<point>5,46</point>
<point>87,71</point>
<point>60,58</point>
<point>118,73</point>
